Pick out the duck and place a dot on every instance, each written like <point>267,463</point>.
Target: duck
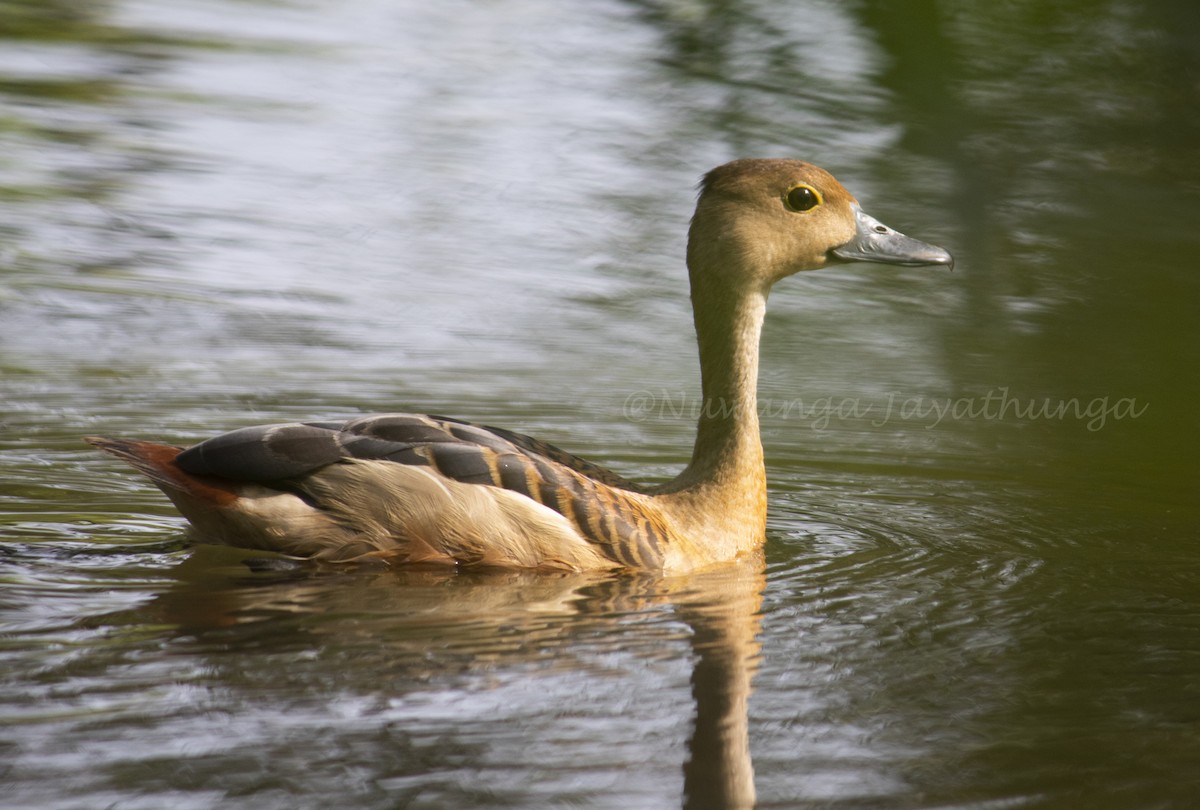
<point>414,489</point>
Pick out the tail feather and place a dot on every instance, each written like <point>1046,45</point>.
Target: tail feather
<point>157,461</point>
<point>235,513</point>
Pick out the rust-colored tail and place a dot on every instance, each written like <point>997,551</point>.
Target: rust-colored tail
<point>157,461</point>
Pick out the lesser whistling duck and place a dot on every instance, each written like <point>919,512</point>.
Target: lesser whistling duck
<point>427,489</point>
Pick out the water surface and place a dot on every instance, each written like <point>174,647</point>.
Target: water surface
<point>981,573</point>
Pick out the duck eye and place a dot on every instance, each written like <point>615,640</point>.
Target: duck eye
<point>802,198</point>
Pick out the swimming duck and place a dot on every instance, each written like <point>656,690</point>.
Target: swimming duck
<point>409,488</point>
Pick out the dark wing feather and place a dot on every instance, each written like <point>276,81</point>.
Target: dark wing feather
<point>269,453</point>
<point>264,453</point>
<point>541,448</point>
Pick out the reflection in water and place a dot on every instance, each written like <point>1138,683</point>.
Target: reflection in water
<point>421,625</point>
<point>719,772</point>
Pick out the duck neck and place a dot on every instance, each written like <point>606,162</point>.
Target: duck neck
<point>728,451</point>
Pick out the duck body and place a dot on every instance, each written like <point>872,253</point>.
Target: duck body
<point>407,488</point>
<point>410,488</point>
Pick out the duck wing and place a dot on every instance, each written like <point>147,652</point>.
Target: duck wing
<point>309,460</point>
<point>464,451</point>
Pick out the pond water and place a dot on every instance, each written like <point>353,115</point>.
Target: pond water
<point>981,584</point>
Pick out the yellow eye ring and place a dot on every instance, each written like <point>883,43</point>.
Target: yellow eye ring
<point>802,197</point>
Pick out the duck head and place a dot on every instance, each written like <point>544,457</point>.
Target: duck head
<point>758,221</point>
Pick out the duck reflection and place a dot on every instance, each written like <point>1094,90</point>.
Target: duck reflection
<point>403,628</point>
<point>725,625</point>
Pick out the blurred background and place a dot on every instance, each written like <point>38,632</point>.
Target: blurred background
<point>983,572</point>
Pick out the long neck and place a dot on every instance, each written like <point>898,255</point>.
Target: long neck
<point>728,451</point>
<point>719,502</point>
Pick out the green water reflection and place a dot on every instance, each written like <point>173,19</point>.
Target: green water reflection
<point>982,565</point>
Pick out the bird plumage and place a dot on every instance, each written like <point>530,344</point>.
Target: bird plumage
<point>410,488</point>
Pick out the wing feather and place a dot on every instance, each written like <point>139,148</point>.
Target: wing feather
<point>604,508</point>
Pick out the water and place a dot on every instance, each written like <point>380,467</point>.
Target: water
<point>980,583</point>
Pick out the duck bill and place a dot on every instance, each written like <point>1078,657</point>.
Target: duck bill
<point>875,242</point>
